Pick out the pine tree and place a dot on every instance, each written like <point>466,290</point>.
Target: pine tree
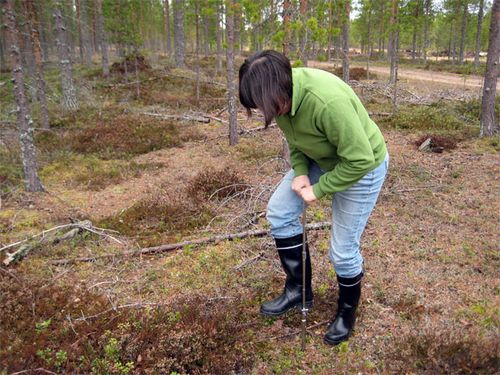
<point>24,122</point>
<point>70,101</point>
<point>489,124</point>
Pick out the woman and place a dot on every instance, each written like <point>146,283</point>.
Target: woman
<point>335,150</point>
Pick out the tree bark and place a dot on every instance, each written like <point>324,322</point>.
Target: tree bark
<point>345,41</point>
<point>381,39</point>
<point>231,86</point>
<point>104,39</point>
<point>179,41</point>
<point>478,32</point>
<point>415,29</point>
<point>237,27</point>
<point>303,44</point>
<point>34,26</point>
<point>70,101</point>
<point>166,17</point>
<point>462,38</point>
<point>218,39</point>
<point>394,39</point>
<point>24,122</point>
<point>85,28</point>
<point>287,4</point>
<point>428,5</point>
<point>489,124</point>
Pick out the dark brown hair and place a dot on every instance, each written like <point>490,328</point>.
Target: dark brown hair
<point>266,84</point>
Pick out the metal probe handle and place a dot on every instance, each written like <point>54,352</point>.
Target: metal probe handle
<point>304,256</point>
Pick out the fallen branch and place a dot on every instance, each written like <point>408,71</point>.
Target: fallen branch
<point>205,120</point>
<point>380,113</point>
<point>180,245</point>
<point>47,236</point>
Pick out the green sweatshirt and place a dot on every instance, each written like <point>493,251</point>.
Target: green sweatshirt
<point>328,123</point>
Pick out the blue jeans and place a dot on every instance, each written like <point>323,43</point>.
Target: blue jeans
<point>350,212</point>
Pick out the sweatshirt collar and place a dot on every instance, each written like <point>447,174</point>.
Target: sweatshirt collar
<point>297,90</point>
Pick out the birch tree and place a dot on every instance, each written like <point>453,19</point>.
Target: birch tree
<point>24,122</point>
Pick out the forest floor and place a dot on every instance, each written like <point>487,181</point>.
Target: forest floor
<point>431,295</point>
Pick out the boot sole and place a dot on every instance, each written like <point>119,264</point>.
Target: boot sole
<point>297,306</point>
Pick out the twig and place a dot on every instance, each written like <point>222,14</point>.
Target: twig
<point>205,120</point>
<point>180,245</point>
<point>248,261</point>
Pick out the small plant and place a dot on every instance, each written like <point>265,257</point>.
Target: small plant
<point>216,184</point>
<point>42,326</point>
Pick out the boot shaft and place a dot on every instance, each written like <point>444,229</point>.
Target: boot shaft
<point>290,254</point>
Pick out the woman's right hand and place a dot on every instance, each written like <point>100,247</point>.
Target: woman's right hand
<point>300,182</point>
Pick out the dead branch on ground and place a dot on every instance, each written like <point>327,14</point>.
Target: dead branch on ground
<point>187,117</point>
<point>180,245</point>
<point>52,236</point>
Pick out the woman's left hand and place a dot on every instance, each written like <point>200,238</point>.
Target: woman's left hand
<point>307,194</point>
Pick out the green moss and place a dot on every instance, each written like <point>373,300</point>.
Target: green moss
<point>90,172</point>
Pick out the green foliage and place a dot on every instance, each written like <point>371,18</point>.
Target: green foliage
<point>433,117</point>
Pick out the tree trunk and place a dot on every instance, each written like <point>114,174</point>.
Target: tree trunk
<point>197,33</point>
<point>345,41</point>
<point>237,27</point>
<point>381,39</point>
<point>166,16</point>
<point>231,87</point>
<point>104,39</point>
<point>428,4</point>
<point>218,40</point>
<point>369,40</point>
<point>79,28</point>
<point>34,26</point>
<point>489,124</point>
<point>394,38</point>
<point>463,36</point>
<point>86,35</point>
<point>179,41</point>
<point>24,123</point>
<point>415,29</point>
<point>478,32</point>
<point>303,44</point>
<point>28,58</point>
<point>287,4</point>
<point>330,29</point>
<point>70,101</point>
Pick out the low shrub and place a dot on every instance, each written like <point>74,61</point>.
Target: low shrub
<point>163,213</point>
<point>434,117</point>
<point>217,184</point>
<point>113,136</point>
<point>449,351</point>
<point>70,330</point>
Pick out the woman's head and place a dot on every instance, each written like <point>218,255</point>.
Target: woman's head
<point>266,84</point>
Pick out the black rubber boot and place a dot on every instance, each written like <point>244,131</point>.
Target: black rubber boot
<point>290,253</point>
<point>349,294</point>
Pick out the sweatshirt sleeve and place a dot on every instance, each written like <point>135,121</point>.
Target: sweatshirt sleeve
<point>300,163</point>
<point>341,124</point>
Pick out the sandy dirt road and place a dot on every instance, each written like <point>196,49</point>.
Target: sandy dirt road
<point>418,75</point>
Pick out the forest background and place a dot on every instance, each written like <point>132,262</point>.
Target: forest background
<point>133,187</point>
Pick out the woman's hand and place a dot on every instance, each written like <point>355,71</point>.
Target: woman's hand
<point>307,194</point>
<point>299,183</point>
